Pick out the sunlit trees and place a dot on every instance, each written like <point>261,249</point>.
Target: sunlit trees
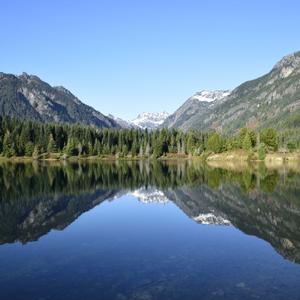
<point>269,137</point>
<point>247,144</point>
<point>261,151</point>
<point>27,138</point>
<point>214,143</point>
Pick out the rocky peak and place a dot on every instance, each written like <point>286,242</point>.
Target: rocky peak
<point>26,77</point>
<point>288,64</point>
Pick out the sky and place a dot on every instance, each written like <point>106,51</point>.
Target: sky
<point>126,57</point>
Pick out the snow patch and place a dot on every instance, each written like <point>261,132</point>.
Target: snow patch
<point>210,218</point>
<point>210,96</point>
<point>150,195</point>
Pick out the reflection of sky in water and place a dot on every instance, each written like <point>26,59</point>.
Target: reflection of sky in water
<point>126,249</point>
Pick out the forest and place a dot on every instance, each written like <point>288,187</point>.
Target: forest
<point>22,138</point>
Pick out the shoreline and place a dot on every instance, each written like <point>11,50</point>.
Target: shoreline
<point>235,157</point>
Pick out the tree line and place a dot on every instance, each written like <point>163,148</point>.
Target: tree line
<point>33,139</point>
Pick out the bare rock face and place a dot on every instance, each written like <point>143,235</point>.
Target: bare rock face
<point>28,97</point>
<point>288,64</point>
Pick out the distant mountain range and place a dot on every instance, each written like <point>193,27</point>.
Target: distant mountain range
<point>270,100</point>
<point>145,120</point>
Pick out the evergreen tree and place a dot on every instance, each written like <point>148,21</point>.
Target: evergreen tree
<point>247,144</point>
<point>36,151</point>
<point>269,137</point>
<point>8,145</point>
<point>29,148</point>
<point>261,151</point>
<point>51,148</point>
<point>214,143</point>
<point>71,147</point>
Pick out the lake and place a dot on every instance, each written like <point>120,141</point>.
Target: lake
<point>148,230</point>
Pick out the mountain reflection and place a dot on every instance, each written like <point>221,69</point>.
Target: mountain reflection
<point>38,197</point>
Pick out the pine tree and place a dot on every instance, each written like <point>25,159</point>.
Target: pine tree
<point>29,148</point>
<point>269,137</point>
<point>214,143</point>
<point>51,148</point>
<point>70,148</point>
<point>97,148</point>
<point>147,150</point>
<point>141,152</point>
<point>8,145</point>
<point>247,145</point>
<point>261,151</point>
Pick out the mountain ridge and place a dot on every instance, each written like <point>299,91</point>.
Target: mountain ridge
<point>198,102</point>
<point>144,120</point>
<point>271,100</point>
<point>28,97</point>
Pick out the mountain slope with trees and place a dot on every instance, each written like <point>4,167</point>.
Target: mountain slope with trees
<point>272,100</point>
<point>28,97</point>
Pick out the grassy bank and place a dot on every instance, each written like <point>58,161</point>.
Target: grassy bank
<point>241,156</point>
<point>237,157</point>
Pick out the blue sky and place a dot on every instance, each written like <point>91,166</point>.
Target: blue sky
<point>125,57</point>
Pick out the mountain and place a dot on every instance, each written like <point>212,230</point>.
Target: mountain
<point>28,97</point>
<point>194,105</point>
<point>270,100</point>
<point>150,195</point>
<point>122,123</point>
<point>150,120</point>
<point>144,120</point>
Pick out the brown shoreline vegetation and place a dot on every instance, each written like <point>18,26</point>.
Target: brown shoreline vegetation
<point>237,159</point>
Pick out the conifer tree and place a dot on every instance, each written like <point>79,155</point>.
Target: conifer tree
<point>8,145</point>
<point>51,148</point>
<point>247,144</point>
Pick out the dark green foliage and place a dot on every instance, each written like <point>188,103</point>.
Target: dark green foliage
<point>51,144</point>
<point>247,145</point>
<point>262,151</point>
<point>27,138</point>
<point>214,143</point>
<point>8,145</point>
<point>270,138</point>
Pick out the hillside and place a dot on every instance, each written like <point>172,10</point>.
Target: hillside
<point>28,97</point>
<point>270,100</point>
<point>195,105</point>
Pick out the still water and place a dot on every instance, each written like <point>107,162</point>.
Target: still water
<point>148,231</point>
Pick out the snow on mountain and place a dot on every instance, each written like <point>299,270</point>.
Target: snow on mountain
<point>210,96</point>
<point>209,219</point>
<point>144,120</point>
<point>150,120</point>
<point>122,123</point>
<point>150,195</point>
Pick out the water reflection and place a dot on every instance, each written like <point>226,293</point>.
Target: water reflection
<point>38,197</point>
